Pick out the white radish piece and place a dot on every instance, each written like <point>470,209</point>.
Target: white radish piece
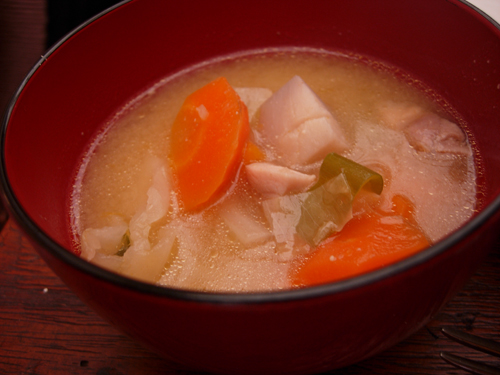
<point>299,124</point>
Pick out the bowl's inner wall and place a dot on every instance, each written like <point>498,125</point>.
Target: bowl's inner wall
<point>80,85</point>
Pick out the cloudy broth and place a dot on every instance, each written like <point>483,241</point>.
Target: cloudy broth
<point>204,253</point>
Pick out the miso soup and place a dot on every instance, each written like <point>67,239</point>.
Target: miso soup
<point>316,167</point>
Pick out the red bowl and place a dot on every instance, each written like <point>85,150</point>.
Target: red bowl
<point>86,77</point>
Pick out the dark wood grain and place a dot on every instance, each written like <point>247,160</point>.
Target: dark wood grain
<point>46,329</point>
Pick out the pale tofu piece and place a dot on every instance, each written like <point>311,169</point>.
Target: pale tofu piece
<point>297,122</point>
<point>274,180</point>
<point>253,97</point>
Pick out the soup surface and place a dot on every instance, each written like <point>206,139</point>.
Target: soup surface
<point>130,215</point>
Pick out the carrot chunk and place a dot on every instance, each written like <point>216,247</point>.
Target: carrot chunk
<point>208,140</point>
<point>253,154</point>
<point>369,241</point>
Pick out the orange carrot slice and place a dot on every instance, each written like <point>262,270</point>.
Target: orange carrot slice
<point>208,140</point>
<point>253,154</point>
<point>403,207</point>
<point>369,241</point>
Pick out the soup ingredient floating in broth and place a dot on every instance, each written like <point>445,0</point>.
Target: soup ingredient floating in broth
<point>208,140</point>
<point>369,241</point>
<point>328,206</point>
<point>299,124</point>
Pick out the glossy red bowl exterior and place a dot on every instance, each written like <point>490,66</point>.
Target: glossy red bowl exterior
<point>78,85</point>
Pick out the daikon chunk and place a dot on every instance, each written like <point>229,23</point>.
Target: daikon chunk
<point>299,124</point>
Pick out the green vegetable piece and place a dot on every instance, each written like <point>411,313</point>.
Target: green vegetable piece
<point>124,245</point>
<point>326,210</point>
<point>357,175</point>
<point>328,206</point>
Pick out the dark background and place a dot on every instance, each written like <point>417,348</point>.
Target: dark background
<point>65,15</point>
<point>28,28</point>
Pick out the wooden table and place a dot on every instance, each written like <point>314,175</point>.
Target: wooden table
<point>46,329</point>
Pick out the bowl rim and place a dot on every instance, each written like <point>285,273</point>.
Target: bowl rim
<point>66,256</point>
